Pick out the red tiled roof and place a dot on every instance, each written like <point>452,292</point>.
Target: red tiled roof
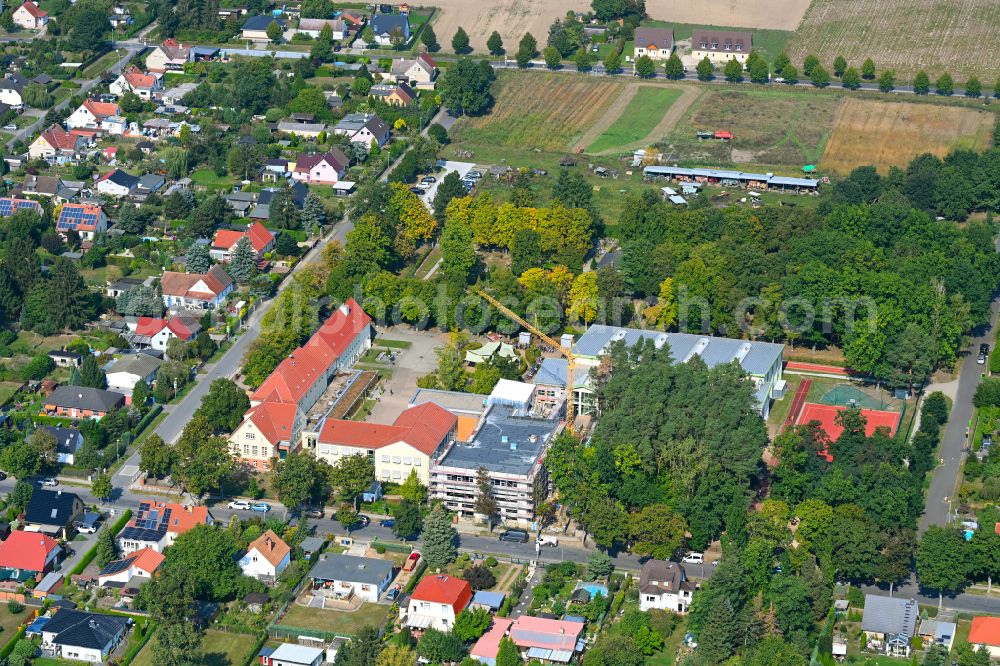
<point>149,326</point>
<point>985,631</point>
<point>137,79</point>
<point>101,110</point>
<point>260,237</point>
<point>427,60</point>
<point>275,420</point>
<point>182,284</point>
<point>147,559</point>
<point>59,138</point>
<point>26,550</point>
<point>545,633</point>
<point>182,517</point>
<point>334,157</point>
<point>423,427</point>
<point>34,10</point>
<point>295,375</point>
<point>86,209</point>
<point>428,424</point>
<point>441,589</point>
<point>226,238</point>
<point>340,330</point>
<point>271,547</point>
<point>179,328</point>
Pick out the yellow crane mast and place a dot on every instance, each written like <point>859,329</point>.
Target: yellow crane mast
<point>565,351</point>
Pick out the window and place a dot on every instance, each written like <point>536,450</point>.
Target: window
<point>395,460</point>
<point>729,46</point>
<point>715,45</point>
<point>255,450</point>
<point>416,462</point>
<point>407,460</point>
<point>249,435</point>
<point>703,45</point>
<point>246,449</point>
<point>739,47</point>
<point>385,458</point>
<point>396,474</point>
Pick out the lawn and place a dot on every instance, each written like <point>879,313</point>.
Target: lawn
<point>334,621</point>
<point>7,391</point>
<point>208,178</point>
<point>638,119</point>
<point>10,622</point>
<point>103,63</point>
<point>220,648</point>
<point>429,262</point>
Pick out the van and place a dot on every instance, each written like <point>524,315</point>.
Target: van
<point>514,536</point>
<point>544,540</point>
<point>694,558</point>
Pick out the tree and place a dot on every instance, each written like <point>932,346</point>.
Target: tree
<point>528,44</point>
<point>412,489</point>
<point>106,548</point>
<point>759,71</point>
<point>480,577</point>
<point>243,262</point>
<point>155,457</point>
<point>656,531</point>
<point>911,356</point>
<point>299,479</point>
<point>508,654</point>
<point>780,62</point>
<point>553,59</point>
<point>945,85</point>
<point>839,66</point>
<point>348,517</point>
<point>471,624</point>
<point>943,561</point>
<point>101,487</point>
<point>674,68</point>
<point>91,374</point>
<point>352,476</point>
<point>224,405</point>
<point>851,79</point>
<point>396,655</point>
<point>439,538</point>
<point>733,71</point>
<point>440,647</point>
<point>819,77</point>
<point>21,495</point>
<point>408,521</point>
<point>273,31</point>
<point>209,554</point>
<point>203,461</point>
<point>887,81</point>
<point>583,301</point>
<point>428,38</point>
<point>438,133</point>
<point>495,44</point>
<point>179,645</point>
<point>582,60</point>
<point>973,87</point>
<point>458,254</point>
<point>613,61</point>
<point>645,68</point>
<point>36,95</point>
<point>89,26</point>
<point>363,650</point>
<point>313,213</point>
<point>921,83</point>
<point>465,87</point>
<point>360,87</point>
<point>284,246</point>
<point>868,69</point>
<point>809,64</point>
<point>451,187</point>
<point>523,58</point>
<point>599,564</point>
<point>197,260</point>
<point>284,214</point>
<point>460,42</point>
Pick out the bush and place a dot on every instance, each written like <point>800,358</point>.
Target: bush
<point>491,562</point>
<point>14,607</point>
<point>379,548</point>
<point>480,578</point>
<point>935,408</point>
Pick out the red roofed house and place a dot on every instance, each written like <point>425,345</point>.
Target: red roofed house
<point>194,290</point>
<point>268,432</point>
<point>84,219</point>
<point>549,640</point>
<point>155,333</point>
<point>136,81</point>
<point>985,632</point>
<point>143,563</point>
<point>486,648</point>
<point>27,555</point>
<point>225,240</point>
<point>157,525</point>
<point>435,603</point>
<point>91,113</point>
<point>325,168</point>
<point>29,16</point>
<point>407,445</point>
<point>56,143</point>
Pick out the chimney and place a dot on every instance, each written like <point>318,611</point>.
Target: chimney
<point>346,309</point>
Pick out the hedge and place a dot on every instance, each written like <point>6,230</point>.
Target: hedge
<point>134,649</point>
<point>415,578</point>
<point>92,553</point>
<point>255,652</point>
<point>9,645</point>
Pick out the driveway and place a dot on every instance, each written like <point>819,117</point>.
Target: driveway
<point>461,167</point>
<point>411,364</point>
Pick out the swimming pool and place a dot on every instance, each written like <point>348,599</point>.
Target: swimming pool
<point>594,588</point>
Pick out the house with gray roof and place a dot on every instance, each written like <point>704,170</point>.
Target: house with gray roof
<point>664,585</point>
<point>80,636</point>
<point>346,576</point>
<point>81,402</point>
<point>889,623</point>
<point>383,25</point>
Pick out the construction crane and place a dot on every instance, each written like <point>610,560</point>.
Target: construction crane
<point>565,351</point>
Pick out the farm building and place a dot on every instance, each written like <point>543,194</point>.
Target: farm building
<point>720,46</point>
<point>727,178</point>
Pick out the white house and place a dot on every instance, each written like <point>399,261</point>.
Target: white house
<point>266,557</point>
<point>168,56</point>
<point>323,168</point>
<point>363,129</point>
<point>11,87</point>
<point>664,585</point>
<point>268,431</point>
<point>261,239</point>
<point>436,602</point>
<point>655,43</point>
<point>143,563</point>
<point>195,291</point>
<point>134,80</point>
<point>91,113</point>
<point>155,333</point>
<point>117,183</point>
<point>385,26</point>
<point>157,525</point>
<point>346,576</point>
<point>313,27</point>
<point>85,219</point>
<point>129,369</point>
<point>419,72</point>
<point>30,17</point>
<point>80,636</point>
<point>290,654</point>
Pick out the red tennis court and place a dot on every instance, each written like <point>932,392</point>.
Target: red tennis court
<point>827,417</point>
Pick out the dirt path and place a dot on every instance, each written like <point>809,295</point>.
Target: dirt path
<point>667,122</point>
<point>611,114</point>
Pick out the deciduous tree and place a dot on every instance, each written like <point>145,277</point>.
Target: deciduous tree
<point>495,44</point>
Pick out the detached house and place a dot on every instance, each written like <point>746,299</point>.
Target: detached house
<point>10,205</point>
<point>157,525</point>
<point>346,576</point>
<point>85,219</point>
<point>11,87</point>
<point>27,555</point>
<point>195,291</point>
<point>81,402</point>
<point>117,183</point>
<point>29,17</point>
<point>80,636</point>
<point>268,431</point>
<point>255,27</point>
<point>92,113</point>
<point>386,26</point>
<point>266,557</point>
<point>889,623</point>
<point>155,333</point>
<point>52,512</point>
<point>323,168</point>
<point>656,43</point>
<point>225,240</point>
<point>419,72</point>
<point>399,94</point>
<point>132,570</point>
<point>720,46</point>
<point>664,585</point>
<point>363,128</point>
<point>985,633</point>
<point>56,143</point>
<point>169,56</point>
<point>134,80</point>
<point>436,602</point>
<point>130,369</point>
<point>313,27</point>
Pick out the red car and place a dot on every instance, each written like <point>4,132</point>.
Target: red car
<point>411,562</point>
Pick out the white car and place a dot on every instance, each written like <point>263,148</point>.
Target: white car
<point>10,128</point>
<point>544,540</point>
<point>48,481</point>
<point>693,558</point>
<point>85,529</point>
<point>240,505</point>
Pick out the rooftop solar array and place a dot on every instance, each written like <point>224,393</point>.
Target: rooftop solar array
<point>73,217</point>
<point>8,206</point>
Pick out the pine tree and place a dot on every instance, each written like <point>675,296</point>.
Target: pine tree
<point>508,654</point>
<point>313,213</point>
<point>428,38</point>
<point>197,259</point>
<point>243,262</point>
<point>485,503</point>
<point>106,549</point>
<point>839,66</point>
<point>973,88</point>
<point>74,377</point>
<point>439,538</point>
<point>674,67</point>
<point>91,374</point>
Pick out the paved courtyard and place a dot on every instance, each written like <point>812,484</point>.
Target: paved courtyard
<point>411,364</point>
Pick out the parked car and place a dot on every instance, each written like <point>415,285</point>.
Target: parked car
<point>475,175</point>
<point>240,505</point>
<point>10,128</point>
<point>316,514</point>
<point>514,536</point>
<point>545,540</point>
<point>694,558</point>
<point>411,562</point>
<point>260,507</point>
<point>984,351</point>
<point>387,522</point>
<point>363,520</point>
<point>417,191</point>
<point>83,528</point>
<point>428,179</point>
<point>3,476</point>
<point>48,481</point>
<point>392,594</point>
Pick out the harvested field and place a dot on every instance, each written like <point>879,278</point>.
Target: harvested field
<point>538,112</point>
<point>637,120</point>
<point>512,18</point>
<point>892,133</point>
<point>959,36</point>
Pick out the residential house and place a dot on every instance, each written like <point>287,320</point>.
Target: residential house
<point>131,570</point>
<point>323,168</point>
<point>195,291</point>
<point>11,87</point>
<point>664,585</point>
<point>55,143</point>
<point>134,80</point>
<point>91,113</point>
<point>255,27</point>
<point>68,442</point>
<point>303,130</point>
<point>346,576</point>
<point>387,26</point>
<point>435,603</point>
<point>85,219</point>
<point>130,369</point>
<point>80,636</point>
<point>720,46</point>
<point>491,601</point>
<point>117,183</point>
<point>417,435</point>
<point>985,633</point>
<point>43,186</point>
<point>52,512</point>
<point>889,623</point>
<point>65,359</point>
<point>29,17</point>
<point>155,332</point>
<point>363,128</point>
<point>27,556</point>
<point>10,205</point>
<point>550,641</point>
<point>149,183</point>
<point>269,431</point>
<point>291,654</point>
<point>157,525</point>
<point>115,126</point>
<point>169,56</point>
<point>419,72</point>
<point>937,632</point>
<point>656,43</point>
<point>120,17</point>
<point>486,648</point>
<point>79,402</point>
<point>274,169</point>
<point>266,557</point>
<point>313,27</point>
<point>261,239</point>
<point>400,94</point>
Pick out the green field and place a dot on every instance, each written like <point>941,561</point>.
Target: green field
<point>335,621</point>
<point>209,179</point>
<point>219,648</point>
<point>638,119</point>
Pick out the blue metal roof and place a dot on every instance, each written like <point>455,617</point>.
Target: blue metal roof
<point>723,174</point>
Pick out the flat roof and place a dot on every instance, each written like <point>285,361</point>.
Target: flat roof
<point>504,443</point>
<point>473,404</point>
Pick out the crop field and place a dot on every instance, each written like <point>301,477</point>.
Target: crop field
<point>892,133</point>
<point>537,113</point>
<point>770,127</point>
<point>638,119</point>
<point>958,36</point>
